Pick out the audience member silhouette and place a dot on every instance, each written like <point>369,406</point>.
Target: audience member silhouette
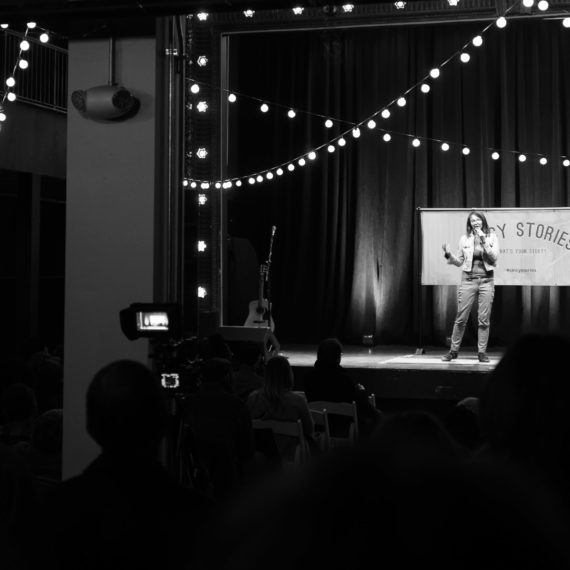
<point>275,400</point>
<point>19,409</point>
<point>43,454</point>
<point>220,435</point>
<point>329,381</point>
<point>524,410</point>
<point>462,422</point>
<point>246,376</point>
<point>125,510</point>
<point>43,372</point>
<point>413,432</point>
<point>419,507</point>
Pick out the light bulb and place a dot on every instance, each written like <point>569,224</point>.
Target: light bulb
<point>495,156</point>
<point>387,137</point>
<point>341,141</point>
<point>543,161</point>
<point>195,88</point>
<point>371,124</point>
<point>301,162</point>
<point>385,113</point>
<point>464,57</point>
<point>356,132</point>
<point>465,150</point>
<point>416,143</point>
<point>330,148</point>
<point>24,45</point>
<point>232,98</point>
<point>291,114</point>
<point>328,123</point>
<point>23,64</point>
<point>44,38</point>
<point>401,102</point>
<point>477,41</point>
<point>425,88</point>
<point>434,72</point>
<point>522,157</point>
<point>312,155</point>
<point>264,107</point>
<point>444,147</point>
<point>543,5</point>
<point>501,22</point>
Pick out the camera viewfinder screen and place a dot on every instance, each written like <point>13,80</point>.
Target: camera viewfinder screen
<point>152,321</point>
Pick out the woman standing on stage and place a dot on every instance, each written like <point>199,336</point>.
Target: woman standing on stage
<point>477,257</point>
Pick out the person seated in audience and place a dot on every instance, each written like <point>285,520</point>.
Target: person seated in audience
<point>125,511</point>
<point>43,454</point>
<point>249,361</point>
<point>524,410</point>
<point>462,422</point>
<point>19,409</point>
<point>329,381</point>
<point>220,431</point>
<point>276,400</point>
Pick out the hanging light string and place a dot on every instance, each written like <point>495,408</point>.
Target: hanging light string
<point>354,129</point>
<point>21,62</point>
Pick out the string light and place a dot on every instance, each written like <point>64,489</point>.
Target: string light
<point>232,98</point>
<point>543,5</point>
<point>434,73</point>
<point>501,22</point>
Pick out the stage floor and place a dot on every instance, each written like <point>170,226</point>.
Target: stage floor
<point>401,378</point>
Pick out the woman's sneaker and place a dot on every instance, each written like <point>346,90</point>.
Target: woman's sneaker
<point>451,355</point>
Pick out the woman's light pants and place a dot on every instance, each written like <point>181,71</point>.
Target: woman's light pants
<point>469,289</point>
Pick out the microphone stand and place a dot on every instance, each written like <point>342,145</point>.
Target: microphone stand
<point>267,280</point>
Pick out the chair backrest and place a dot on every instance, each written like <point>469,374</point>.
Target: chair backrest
<point>291,429</point>
<point>347,409</point>
<point>322,430</point>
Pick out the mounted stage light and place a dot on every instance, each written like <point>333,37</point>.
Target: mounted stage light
<point>109,102</point>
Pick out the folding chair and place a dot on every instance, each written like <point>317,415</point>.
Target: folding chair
<point>289,429</point>
<point>343,409</point>
<point>322,431</point>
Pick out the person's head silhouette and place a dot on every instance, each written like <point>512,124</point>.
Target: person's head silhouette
<point>126,409</point>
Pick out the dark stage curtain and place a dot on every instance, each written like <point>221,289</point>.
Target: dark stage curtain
<point>344,260</point>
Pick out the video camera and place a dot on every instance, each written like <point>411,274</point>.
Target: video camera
<point>159,321</point>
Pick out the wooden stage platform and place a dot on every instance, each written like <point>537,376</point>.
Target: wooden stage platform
<point>402,379</point>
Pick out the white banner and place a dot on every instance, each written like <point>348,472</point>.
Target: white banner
<point>534,244</point>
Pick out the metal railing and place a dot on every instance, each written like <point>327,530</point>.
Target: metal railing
<point>44,82</point>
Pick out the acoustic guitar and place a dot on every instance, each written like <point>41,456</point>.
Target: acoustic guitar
<point>259,313</point>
